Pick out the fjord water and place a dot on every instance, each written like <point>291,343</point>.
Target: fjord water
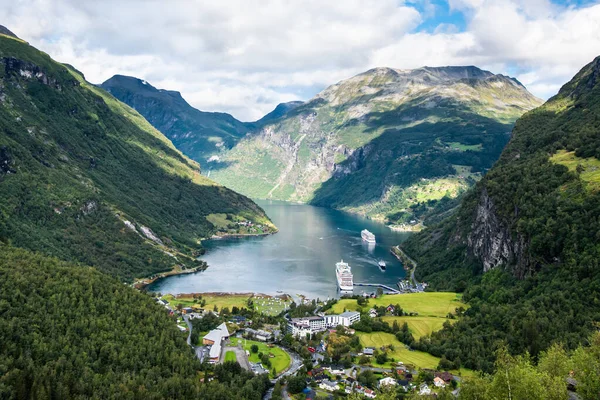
<point>299,259</point>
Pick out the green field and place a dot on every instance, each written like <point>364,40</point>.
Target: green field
<point>417,358</point>
<point>464,147</point>
<point>226,300</point>
<point>230,356</point>
<point>427,304</point>
<point>280,362</point>
<point>419,326</point>
<point>590,166</point>
<point>269,305</point>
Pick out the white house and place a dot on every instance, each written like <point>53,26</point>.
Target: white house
<point>389,381</point>
<point>424,390</point>
<point>329,386</point>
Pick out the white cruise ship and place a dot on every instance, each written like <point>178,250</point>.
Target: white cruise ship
<point>343,272</point>
<point>367,236</point>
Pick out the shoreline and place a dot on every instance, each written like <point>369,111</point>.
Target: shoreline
<point>142,283</point>
<point>282,296</point>
<point>240,235</point>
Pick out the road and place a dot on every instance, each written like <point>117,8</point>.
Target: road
<point>413,262</point>
<point>200,351</point>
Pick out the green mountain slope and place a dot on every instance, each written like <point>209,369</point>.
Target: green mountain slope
<point>198,134</point>
<point>85,178</point>
<point>533,226</point>
<point>73,332</point>
<point>386,143</point>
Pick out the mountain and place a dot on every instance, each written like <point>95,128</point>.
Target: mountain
<point>388,143</point>
<point>5,31</point>
<point>197,134</point>
<point>87,179</point>
<point>278,112</point>
<point>524,244</point>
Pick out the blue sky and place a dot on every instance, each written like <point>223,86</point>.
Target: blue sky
<point>246,56</point>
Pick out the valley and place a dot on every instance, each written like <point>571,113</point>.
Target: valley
<point>431,232</point>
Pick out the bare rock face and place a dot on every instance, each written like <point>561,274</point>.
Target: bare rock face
<point>150,235</point>
<point>491,242</point>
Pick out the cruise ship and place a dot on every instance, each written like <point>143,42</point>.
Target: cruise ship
<point>367,236</point>
<point>343,273</point>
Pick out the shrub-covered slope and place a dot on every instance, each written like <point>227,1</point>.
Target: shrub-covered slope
<point>85,178</point>
<point>525,243</point>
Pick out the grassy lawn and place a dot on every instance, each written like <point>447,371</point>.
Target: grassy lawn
<point>280,362</point>
<point>417,358</point>
<point>230,356</point>
<point>400,353</point>
<point>427,304</point>
<point>226,300</point>
<point>419,326</point>
<point>269,305</point>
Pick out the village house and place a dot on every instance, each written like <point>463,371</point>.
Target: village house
<point>424,390</point>
<point>335,369</point>
<point>446,376</point>
<point>372,313</point>
<point>368,351</point>
<point>187,310</point>
<point>389,381</point>
<point>439,382</point>
<point>370,394</point>
<point>329,386</point>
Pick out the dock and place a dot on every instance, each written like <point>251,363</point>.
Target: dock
<point>391,290</point>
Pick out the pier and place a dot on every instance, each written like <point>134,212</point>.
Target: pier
<point>391,290</point>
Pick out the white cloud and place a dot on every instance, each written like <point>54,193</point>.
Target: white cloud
<point>245,56</point>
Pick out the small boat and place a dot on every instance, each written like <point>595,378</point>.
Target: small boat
<point>381,264</point>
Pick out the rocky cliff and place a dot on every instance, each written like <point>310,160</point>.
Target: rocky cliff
<point>388,143</point>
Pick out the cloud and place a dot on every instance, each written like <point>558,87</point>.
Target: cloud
<point>245,56</point>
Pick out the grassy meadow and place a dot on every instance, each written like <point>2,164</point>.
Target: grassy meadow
<point>280,362</point>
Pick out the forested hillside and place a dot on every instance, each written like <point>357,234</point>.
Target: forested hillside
<point>525,244</point>
<point>85,178</point>
<point>73,332</point>
<point>392,144</point>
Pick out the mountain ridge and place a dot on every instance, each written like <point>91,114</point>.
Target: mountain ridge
<point>323,149</point>
<point>198,134</point>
